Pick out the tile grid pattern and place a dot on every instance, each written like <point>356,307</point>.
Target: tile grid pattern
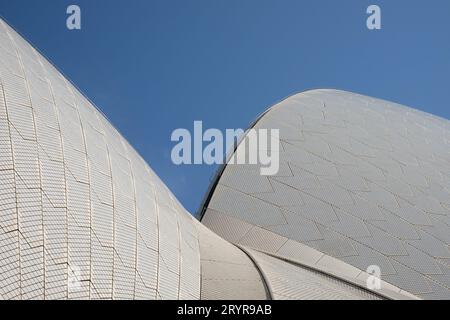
<point>288,281</point>
<point>361,179</point>
<point>81,213</point>
<point>251,238</point>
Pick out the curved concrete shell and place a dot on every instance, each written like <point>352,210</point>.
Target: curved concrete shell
<point>362,182</point>
<point>81,213</point>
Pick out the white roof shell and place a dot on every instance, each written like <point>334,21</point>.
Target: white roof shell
<point>362,182</point>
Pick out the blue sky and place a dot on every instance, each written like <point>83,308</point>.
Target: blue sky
<point>156,65</point>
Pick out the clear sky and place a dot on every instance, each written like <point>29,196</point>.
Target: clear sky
<point>156,65</point>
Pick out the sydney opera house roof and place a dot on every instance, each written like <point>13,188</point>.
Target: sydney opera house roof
<point>362,182</point>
